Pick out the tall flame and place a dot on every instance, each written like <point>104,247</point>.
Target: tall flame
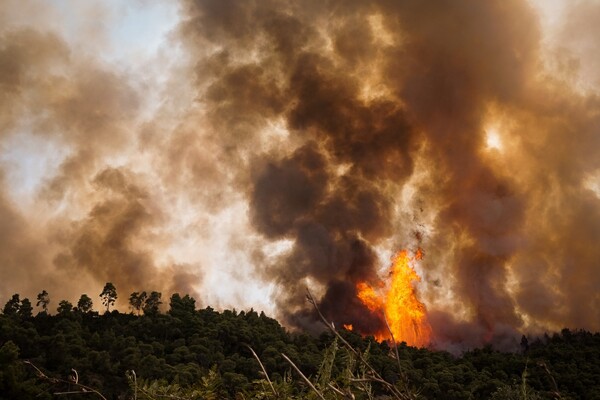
<point>405,314</point>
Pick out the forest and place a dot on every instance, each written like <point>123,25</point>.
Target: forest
<point>184,352</point>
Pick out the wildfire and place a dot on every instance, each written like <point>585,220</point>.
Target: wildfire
<point>369,297</point>
<point>405,314</point>
<point>348,327</point>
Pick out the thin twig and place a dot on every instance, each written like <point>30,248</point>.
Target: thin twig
<point>72,392</point>
<point>338,391</point>
<point>84,388</point>
<point>303,376</point>
<point>400,370</point>
<point>264,371</point>
<point>346,395</point>
<point>40,373</point>
<point>75,375</point>
<point>134,384</point>
<point>556,391</point>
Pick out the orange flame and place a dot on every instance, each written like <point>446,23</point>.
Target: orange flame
<point>406,315</point>
<point>369,297</point>
<point>348,327</point>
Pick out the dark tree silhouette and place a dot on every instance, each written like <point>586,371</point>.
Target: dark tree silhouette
<point>85,303</point>
<point>64,307</point>
<point>524,344</point>
<point>12,306</point>
<point>26,309</point>
<point>108,295</point>
<point>152,303</point>
<point>136,301</point>
<point>43,299</point>
<point>182,306</point>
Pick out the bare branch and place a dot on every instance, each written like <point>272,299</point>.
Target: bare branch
<point>303,376</point>
<point>400,370</point>
<point>556,392</point>
<point>338,391</point>
<point>75,376</point>
<point>72,392</point>
<point>74,381</point>
<point>264,371</point>
<point>134,379</point>
<point>39,372</point>
<point>346,395</point>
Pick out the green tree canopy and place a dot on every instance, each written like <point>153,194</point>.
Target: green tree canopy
<point>181,306</point>
<point>152,303</point>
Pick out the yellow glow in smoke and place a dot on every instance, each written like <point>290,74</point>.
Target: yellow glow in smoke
<point>492,139</point>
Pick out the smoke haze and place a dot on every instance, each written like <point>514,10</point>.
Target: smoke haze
<point>262,147</point>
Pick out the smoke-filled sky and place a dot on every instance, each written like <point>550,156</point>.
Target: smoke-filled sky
<point>241,151</point>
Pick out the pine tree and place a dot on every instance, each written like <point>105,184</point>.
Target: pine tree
<point>43,299</point>
<point>108,295</point>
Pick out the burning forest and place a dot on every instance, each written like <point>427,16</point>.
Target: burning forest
<point>404,314</point>
<point>252,149</point>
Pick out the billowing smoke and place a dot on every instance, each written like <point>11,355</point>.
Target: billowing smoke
<point>91,218</point>
<point>298,144</point>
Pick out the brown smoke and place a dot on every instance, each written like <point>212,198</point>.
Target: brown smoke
<point>320,134</point>
<point>373,96</point>
<point>104,243</point>
<point>90,222</point>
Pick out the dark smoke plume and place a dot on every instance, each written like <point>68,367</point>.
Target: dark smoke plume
<point>297,142</point>
<point>375,95</point>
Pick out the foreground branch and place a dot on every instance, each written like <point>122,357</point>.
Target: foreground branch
<point>74,381</point>
<point>303,376</point>
<point>400,370</point>
<point>264,371</point>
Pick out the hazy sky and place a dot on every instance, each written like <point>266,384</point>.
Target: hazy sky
<point>244,151</point>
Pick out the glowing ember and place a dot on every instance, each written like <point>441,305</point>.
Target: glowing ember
<point>405,314</point>
<point>348,327</point>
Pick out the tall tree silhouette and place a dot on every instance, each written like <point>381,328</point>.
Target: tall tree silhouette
<point>108,295</point>
<point>43,299</point>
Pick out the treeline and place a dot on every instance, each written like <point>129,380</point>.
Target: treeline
<point>190,353</point>
<point>138,301</point>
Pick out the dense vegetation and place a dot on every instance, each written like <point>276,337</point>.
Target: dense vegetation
<point>204,354</point>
